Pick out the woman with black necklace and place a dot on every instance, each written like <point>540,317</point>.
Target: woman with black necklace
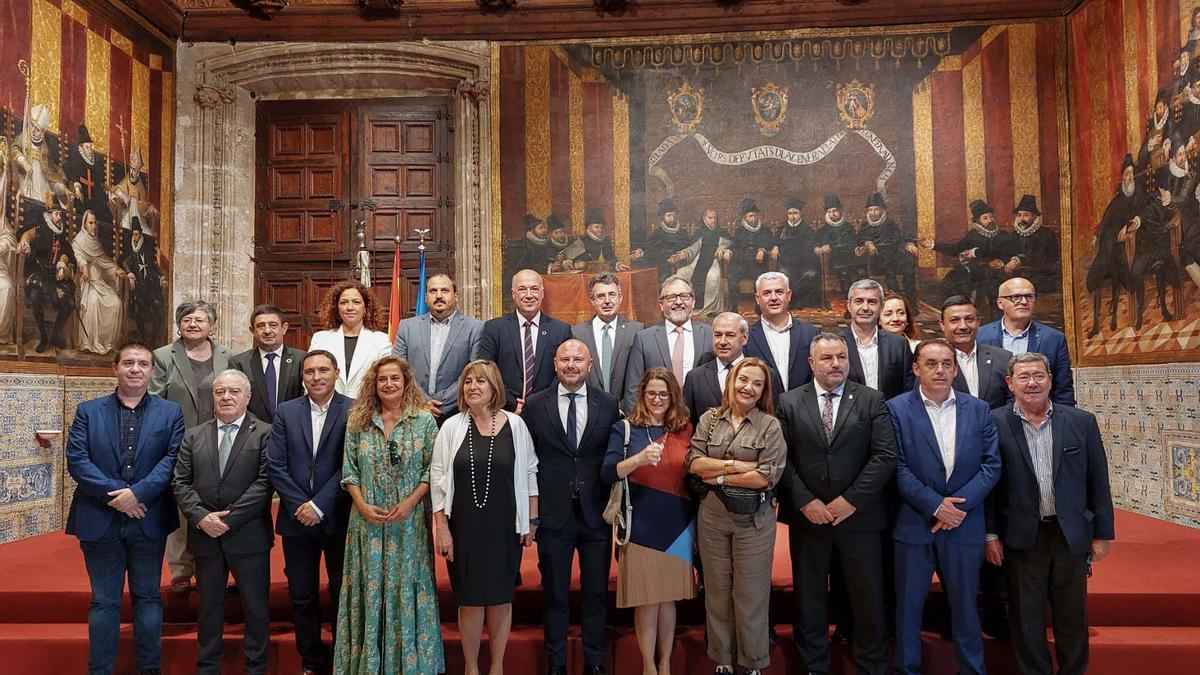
<point>484,484</point>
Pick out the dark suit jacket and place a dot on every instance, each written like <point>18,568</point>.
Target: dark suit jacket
<point>94,461</point>
<point>895,363</point>
<point>702,388</point>
<point>559,465</point>
<point>801,334</point>
<point>623,336</point>
<point>503,344</point>
<point>291,380</point>
<point>921,473</point>
<point>1044,340</point>
<point>650,350</point>
<point>856,464</point>
<point>992,365</point>
<point>1082,497</point>
<point>299,476</point>
<point>243,489</point>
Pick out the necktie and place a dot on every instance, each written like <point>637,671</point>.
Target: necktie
<point>272,385</point>
<point>571,421</point>
<point>677,355</point>
<point>606,347</point>
<point>530,364</point>
<point>827,415</point>
<point>228,434</point>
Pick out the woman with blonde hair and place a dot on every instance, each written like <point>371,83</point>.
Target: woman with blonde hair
<point>485,506</point>
<point>654,567</point>
<point>739,452</point>
<point>356,333</point>
<point>388,613</point>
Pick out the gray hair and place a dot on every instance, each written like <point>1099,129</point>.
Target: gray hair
<point>235,373</point>
<point>772,276</point>
<point>1028,357</point>
<point>743,326</point>
<point>865,285</point>
<point>827,337</point>
<point>189,306</point>
<point>603,278</point>
<point>662,289</point>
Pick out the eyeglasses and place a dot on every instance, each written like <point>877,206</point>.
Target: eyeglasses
<point>393,452</point>
<point>658,394</point>
<point>1018,298</point>
<point>677,296</point>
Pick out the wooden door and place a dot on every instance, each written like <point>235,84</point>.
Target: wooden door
<point>325,170</point>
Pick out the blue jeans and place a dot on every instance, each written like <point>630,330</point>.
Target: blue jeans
<point>123,550</point>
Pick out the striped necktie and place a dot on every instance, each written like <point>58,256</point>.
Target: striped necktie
<point>530,362</point>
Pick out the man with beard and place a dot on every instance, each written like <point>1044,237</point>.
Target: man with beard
<point>1110,263</point>
<point>1156,142</point>
<point>1189,240</point>
<point>795,252</point>
<point>666,238</point>
<point>1034,249</point>
<point>981,257</point>
<point>837,241</point>
<point>534,251</point>
<point>41,177</point>
<point>1176,176</point>
<point>1152,254</point>
<point>594,246</point>
<point>131,197</point>
<point>86,175</point>
<point>750,243</point>
<point>1186,102</point>
<point>890,255</point>
<point>50,284</point>
<point>140,261</point>
<point>701,266</point>
<point>562,244</point>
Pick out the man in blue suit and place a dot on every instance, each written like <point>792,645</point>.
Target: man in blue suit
<point>947,461</point>
<point>522,344</point>
<point>1018,333</point>
<point>570,423</point>
<point>121,452</point>
<point>1049,517</point>
<point>777,338</point>
<point>304,462</point>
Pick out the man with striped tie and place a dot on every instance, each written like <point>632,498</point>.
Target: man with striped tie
<point>608,336</point>
<point>522,344</point>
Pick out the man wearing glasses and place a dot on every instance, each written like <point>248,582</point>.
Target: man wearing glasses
<point>678,344</point>
<point>1018,333</point>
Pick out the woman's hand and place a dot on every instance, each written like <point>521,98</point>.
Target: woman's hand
<point>373,514</point>
<point>527,539</point>
<point>400,512</point>
<point>443,543</point>
<point>652,454</point>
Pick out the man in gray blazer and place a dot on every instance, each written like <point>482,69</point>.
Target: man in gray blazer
<point>678,344</point>
<point>608,336</point>
<point>438,345</point>
<point>222,487</point>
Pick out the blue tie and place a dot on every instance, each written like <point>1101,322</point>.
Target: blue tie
<point>571,419</point>
<point>272,385</point>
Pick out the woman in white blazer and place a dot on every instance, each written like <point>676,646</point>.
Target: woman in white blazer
<point>357,336</point>
<point>483,483</point>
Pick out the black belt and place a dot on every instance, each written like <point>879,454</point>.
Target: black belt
<point>1048,519</point>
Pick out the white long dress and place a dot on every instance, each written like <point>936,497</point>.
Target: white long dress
<point>99,301</point>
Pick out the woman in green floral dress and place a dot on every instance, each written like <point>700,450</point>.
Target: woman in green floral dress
<point>388,613</point>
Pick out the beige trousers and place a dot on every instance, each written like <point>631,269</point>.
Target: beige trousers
<point>178,559</point>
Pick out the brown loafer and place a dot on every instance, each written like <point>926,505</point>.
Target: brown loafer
<point>181,586</point>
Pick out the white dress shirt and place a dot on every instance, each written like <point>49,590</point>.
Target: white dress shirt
<point>723,371</point>
<point>967,363</point>
<point>837,399</point>
<point>868,355</point>
<point>689,347</point>
<point>598,335</point>
<point>944,418</point>
<point>779,341</point>
<point>533,330</point>
<point>580,409</point>
<point>318,414</point>
<point>262,357</point>
<point>439,331</point>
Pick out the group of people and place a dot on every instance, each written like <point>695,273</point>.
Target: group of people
<point>890,456</point>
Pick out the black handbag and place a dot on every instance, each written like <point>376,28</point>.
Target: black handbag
<point>736,499</point>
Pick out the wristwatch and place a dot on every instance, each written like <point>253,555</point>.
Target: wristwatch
<point>535,521</point>
<point>720,480</point>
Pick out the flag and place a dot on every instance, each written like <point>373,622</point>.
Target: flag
<point>421,308</point>
<point>394,301</point>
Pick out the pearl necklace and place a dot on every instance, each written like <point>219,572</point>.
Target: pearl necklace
<point>471,456</point>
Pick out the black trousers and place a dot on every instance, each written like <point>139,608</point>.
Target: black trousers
<point>302,565</point>
<point>1048,571</point>
<point>556,551</point>
<point>858,556</point>
<point>252,572</point>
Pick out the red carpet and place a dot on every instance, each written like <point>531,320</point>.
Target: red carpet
<point>1143,605</point>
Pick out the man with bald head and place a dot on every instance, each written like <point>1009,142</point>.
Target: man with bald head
<point>522,344</point>
<point>570,425</point>
<point>705,384</point>
<point>1018,333</point>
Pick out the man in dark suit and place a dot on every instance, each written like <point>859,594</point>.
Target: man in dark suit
<point>705,384</point>
<point>571,436</point>
<point>947,462</point>
<point>522,344</point>
<point>840,458</point>
<point>777,338</point>
<point>222,488</point>
<point>304,462</point>
<point>121,451</point>
<point>608,335</point>
<point>981,368</point>
<point>678,344</point>
<point>1017,333</point>
<point>273,369</point>
<point>1050,516</point>
<point>878,359</point>
<point>438,345</point>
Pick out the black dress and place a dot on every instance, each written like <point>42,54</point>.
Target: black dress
<point>487,550</point>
